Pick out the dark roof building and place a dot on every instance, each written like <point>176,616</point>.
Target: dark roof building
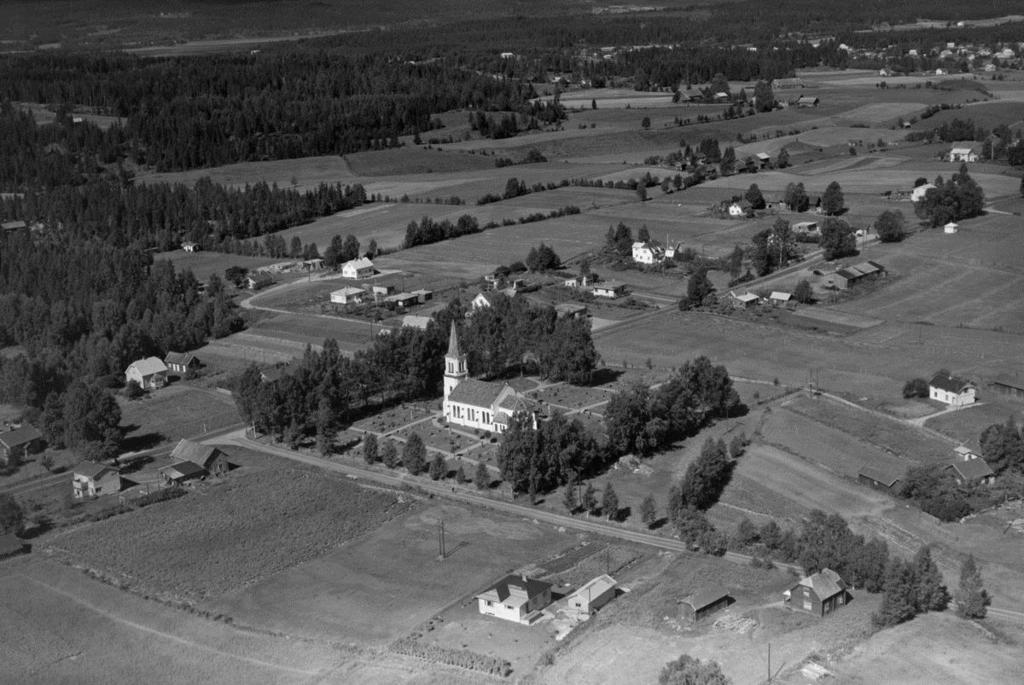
<point>208,457</point>
<point>820,593</point>
<point>19,442</point>
<point>706,602</point>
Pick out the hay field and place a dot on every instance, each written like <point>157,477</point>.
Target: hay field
<point>970,278</point>
<point>383,222</point>
<point>204,264</point>
<point>378,587</point>
<point>177,411</point>
<point>57,625</point>
<point>933,648</point>
<point>308,173</point>
<point>229,535</point>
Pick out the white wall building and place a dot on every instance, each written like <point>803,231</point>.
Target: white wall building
<point>951,390</point>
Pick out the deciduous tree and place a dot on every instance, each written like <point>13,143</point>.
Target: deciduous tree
<point>414,454</point>
<point>972,599</point>
<point>890,226</point>
<point>832,201</point>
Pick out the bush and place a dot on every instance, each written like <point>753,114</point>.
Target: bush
<point>915,387</point>
<point>461,658</point>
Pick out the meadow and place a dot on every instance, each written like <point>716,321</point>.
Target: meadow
<point>226,536</point>
<point>174,412</point>
<point>205,264</point>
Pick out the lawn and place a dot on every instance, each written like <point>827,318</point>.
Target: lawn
<point>229,535</point>
<point>177,411</point>
<point>965,426</point>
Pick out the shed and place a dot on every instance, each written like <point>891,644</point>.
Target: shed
<point>951,228</point>
<point>181,362</point>
<point>1008,386</point>
<point>208,457</point>
<point>181,472</point>
<point>348,295</point>
<point>744,301</point>
<point>879,478</point>
<point>706,602</point>
<point>609,289</point>
<point>593,595</point>
<point>779,298</point>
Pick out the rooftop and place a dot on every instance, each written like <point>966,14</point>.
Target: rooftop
<point>20,436</point>
<point>706,597</point>
<point>522,586</point>
<point>149,366</point>
<point>972,469</point>
<point>91,470</point>
<point>825,583</point>
<point>476,393</point>
<point>949,383</point>
<point>188,450</point>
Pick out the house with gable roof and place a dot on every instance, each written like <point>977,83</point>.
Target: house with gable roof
<point>951,390</point>
<point>474,403</point>
<point>149,373</point>
<point>181,362</point>
<point>820,593</point>
<point>94,480</point>
<point>970,468</point>
<point>18,443</point>
<point>211,459</point>
<point>515,598</point>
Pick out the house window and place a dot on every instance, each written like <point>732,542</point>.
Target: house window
<point>807,604</point>
<point>489,602</point>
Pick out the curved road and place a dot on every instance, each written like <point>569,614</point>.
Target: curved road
<point>442,490</point>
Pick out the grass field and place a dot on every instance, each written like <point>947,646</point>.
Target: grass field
<point>229,535</point>
<point>174,412</point>
<point>204,264</point>
<point>380,586</point>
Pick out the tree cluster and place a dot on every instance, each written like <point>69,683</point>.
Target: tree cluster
<point>543,258</point>
<point>640,421</point>
<point>429,230</point>
<point>1002,447</point>
<point>910,588</point>
<point>539,458</point>
<point>837,239</point>
<point>936,492</point>
<point>958,198</point>
<point>773,248</point>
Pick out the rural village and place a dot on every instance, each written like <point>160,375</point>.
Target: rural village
<point>631,362</point>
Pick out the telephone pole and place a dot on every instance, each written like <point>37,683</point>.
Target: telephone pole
<point>440,541</point>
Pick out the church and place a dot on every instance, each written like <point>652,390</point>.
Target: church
<point>473,403</point>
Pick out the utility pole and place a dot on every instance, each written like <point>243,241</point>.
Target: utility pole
<point>769,662</point>
<point>440,541</point>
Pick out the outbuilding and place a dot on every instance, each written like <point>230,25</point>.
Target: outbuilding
<point>820,593</point>
<point>94,480</point>
<point>348,295</point>
<point>592,596</point>
<point>18,443</point>
<point>706,602</point>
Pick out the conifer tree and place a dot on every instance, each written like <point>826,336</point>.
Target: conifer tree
<point>389,454</point>
<point>414,455</point>
<point>648,511</point>
<point>370,454</point>
<point>610,502</point>
<point>971,597</point>
<point>482,478</point>
<point>930,593</point>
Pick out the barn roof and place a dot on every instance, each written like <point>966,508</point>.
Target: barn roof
<point>20,436</point>
<point>183,470</point>
<point>706,597</point>
<point>972,469</point>
<point>597,586</point>
<point>190,451</point>
<point>91,470</point>
<point>185,358</point>
<point>886,476</point>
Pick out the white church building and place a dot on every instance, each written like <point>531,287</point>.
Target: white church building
<point>473,403</point>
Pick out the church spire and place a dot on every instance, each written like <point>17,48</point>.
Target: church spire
<point>453,343</point>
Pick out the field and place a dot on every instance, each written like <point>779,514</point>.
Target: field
<point>379,587</point>
<point>174,412</point>
<point>933,648</point>
<point>230,535</point>
<point>204,264</point>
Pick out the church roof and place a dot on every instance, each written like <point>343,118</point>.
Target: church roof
<point>453,343</point>
<point>476,393</point>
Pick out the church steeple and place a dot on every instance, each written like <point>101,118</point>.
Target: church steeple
<point>453,343</point>
<point>454,363</point>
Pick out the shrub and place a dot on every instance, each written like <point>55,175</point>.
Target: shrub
<point>915,387</point>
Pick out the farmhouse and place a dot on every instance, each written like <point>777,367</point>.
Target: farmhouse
<point>805,227</point>
<point>189,246</point>
<point>18,443</point>
<point>515,598</point>
<point>647,253</point>
<point>357,268</point>
<point>258,280</point>
<point>208,457</point>
<point>181,362</point>
<point>763,159</point>
<point>94,480</point>
<point>962,153</point>
<point>918,193</point>
<point>592,596</point>
<point>148,373</point>
<point>705,602</point>
<point>970,469</point>
<point>474,403</point>
<point>11,545</point>
<point>610,289</point>
<point>779,298</point>
<point>951,390</point>
<point>1008,386</point>
<point>820,593</point>
<point>807,101</point>
<point>348,295</point>
<point>744,301</point>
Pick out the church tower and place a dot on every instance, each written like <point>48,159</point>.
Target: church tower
<point>454,364</point>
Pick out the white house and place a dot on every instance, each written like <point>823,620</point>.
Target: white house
<point>189,246</point>
<point>150,372</point>
<point>515,598</point>
<point>736,210</point>
<point>918,193</point>
<point>482,301</point>
<point>93,480</point>
<point>951,390</point>
<point>357,268</point>
<point>348,295</point>
<point>963,154</point>
<point>474,403</point>
<point>594,595</point>
<point>951,227</point>
<point>646,253</point>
